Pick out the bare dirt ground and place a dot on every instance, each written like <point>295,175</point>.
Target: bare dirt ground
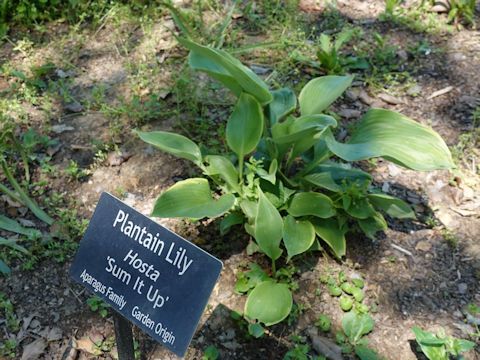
<point>413,275</point>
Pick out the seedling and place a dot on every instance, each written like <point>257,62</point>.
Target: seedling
<point>210,353</point>
<point>97,304</point>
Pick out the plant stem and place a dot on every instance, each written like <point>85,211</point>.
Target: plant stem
<point>11,194</point>
<point>240,170</point>
<point>32,205</point>
<point>274,268</point>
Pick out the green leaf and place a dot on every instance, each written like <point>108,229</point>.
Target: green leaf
<point>357,294</point>
<point>13,244</point>
<point>346,303</point>
<point>246,78</point>
<point>396,138</point>
<point>311,203</point>
<point>328,231</point>
<point>229,220</point>
<point>392,206</point>
<point>256,330</point>
<point>323,180</point>
<point>4,268</point>
<point>245,125</point>
<point>341,172</point>
<point>365,353</point>
<point>348,288</point>
<point>249,208</point>
<point>221,166</point>
<point>433,347</point>
<point>13,226</point>
<point>356,325</point>
<point>463,345</point>
<point>18,74</point>
<point>323,322</point>
<point>191,198</point>
<point>294,129</point>
<point>31,204</point>
<point>360,208</point>
<point>174,144</point>
<point>272,171</point>
<point>268,227</point>
<point>372,225</point>
<point>319,93</point>
<point>211,353</point>
<point>283,103</point>
<point>358,283</point>
<point>269,303</point>
<point>334,289</point>
<point>298,236</point>
<point>216,71</point>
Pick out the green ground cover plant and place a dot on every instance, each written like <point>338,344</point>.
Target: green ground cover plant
<point>440,346</point>
<point>286,178</point>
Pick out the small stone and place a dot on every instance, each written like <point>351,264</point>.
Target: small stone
<point>232,345</point>
<point>423,246</point>
<point>447,219</point>
<point>58,129</point>
<point>462,288</point>
<point>227,335</point>
<point>61,74</point>
<point>414,90</point>
<point>74,107</point>
<point>364,98</point>
<point>259,70</point>
<point>402,54</point>
<point>350,95</point>
<point>350,113</point>
<point>393,169</point>
<point>386,187</point>
<point>389,99</point>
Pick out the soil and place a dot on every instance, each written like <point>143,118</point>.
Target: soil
<point>413,275</point>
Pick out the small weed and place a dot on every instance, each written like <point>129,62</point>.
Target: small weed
<point>323,322</point>
<point>8,348</point>
<point>300,351</point>
<point>297,310</point>
<point>210,353</point>
<point>73,172</point>
<point>97,304</point>
<point>7,308</point>
<point>440,346</point>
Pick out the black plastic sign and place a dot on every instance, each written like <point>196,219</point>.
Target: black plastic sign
<point>151,276</point>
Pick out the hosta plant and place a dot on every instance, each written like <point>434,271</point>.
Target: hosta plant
<point>286,178</point>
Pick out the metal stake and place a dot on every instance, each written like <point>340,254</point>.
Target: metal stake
<point>124,337</point>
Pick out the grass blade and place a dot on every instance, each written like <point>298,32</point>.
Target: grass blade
<point>13,226</point>
<point>31,204</point>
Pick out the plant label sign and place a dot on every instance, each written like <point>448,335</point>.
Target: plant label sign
<point>153,277</point>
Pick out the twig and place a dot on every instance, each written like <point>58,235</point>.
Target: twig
<point>402,249</point>
<point>440,92</point>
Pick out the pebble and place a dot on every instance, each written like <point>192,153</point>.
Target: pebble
<point>229,334</point>
<point>414,90</point>
<point>259,70</point>
<point>423,246</point>
<point>386,187</point>
<point>393,169</point>
<point>389,99</point>
<point>350,95</point>
<point>364,98</point>
<point>462,288</point>
<point>74,107</point>
<point>350,113</point>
